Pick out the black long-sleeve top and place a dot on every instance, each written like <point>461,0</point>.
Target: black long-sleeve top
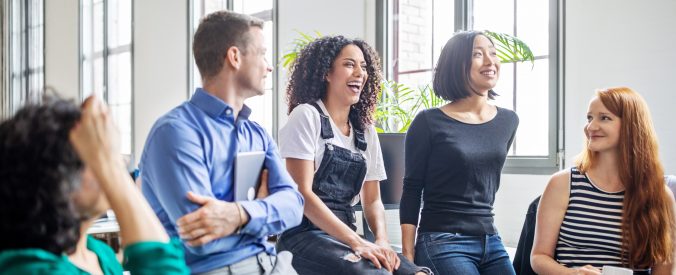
<point>456,168</point>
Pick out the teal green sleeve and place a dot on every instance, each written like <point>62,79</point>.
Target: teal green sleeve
<point>35,261</point>
<point>155,258</point>
<point>107,259</point>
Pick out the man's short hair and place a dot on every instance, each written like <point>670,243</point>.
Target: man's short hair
<point>218,32</point>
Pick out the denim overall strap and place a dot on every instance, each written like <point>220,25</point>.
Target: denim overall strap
<point>326,131</point>
<point>340,174</point>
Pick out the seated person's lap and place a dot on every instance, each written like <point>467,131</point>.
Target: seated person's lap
<point>315,251</point>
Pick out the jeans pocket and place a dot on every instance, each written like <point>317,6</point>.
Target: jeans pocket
<point>441,237</point>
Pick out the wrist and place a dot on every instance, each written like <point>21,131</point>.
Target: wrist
<point>243,216</point>
<point>354,240</point>
<point>382,241</point>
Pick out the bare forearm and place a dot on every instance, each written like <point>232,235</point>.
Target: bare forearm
<point>545,264</point>
<point>375,217</point>
<point>408,239</point>
<point>137,220</point>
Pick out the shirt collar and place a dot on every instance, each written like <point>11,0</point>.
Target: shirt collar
<point>214,106</point>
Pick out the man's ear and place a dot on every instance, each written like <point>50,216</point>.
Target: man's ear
<point>233,57</point>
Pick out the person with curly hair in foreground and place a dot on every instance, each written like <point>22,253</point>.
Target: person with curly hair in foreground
<point>60,168</point>
<point>332,152</point>
<point>613,208</point>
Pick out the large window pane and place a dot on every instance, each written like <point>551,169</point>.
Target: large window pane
<point>25,59</point>
<point>528,88</point>
<point>533,109</point>
<point>414,44</point>
<point>532,23</point>
<point>106,60</point>
<point>494,15</point>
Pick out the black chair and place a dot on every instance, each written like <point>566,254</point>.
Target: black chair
<point>522,257</point>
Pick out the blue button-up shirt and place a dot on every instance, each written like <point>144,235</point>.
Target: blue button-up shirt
<point>192,148</point>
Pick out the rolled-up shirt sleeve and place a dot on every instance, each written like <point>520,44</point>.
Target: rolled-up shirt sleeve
<point>283,208</point>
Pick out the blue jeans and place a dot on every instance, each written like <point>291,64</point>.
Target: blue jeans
<point>453,253</point>
<point>315,252</point>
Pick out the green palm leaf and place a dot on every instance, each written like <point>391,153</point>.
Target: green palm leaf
<point>511,49</point>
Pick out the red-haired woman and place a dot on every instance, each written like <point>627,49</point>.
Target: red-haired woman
<point>613,208</point>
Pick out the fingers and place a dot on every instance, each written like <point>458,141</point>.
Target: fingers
<point>588,269</point>
<point>385,261</point>
<point>202,240</point>
<point>198,199</point>
<point>371,257</point>
<point>395,260</point>
<point>193,233</point>
<point>193,217</point>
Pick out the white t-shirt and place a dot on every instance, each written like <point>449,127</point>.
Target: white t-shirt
<point>301,138</point>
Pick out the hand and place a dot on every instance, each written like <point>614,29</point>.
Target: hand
<point>391,255</point>
<point>214,220</point>
<point>95,137</point>
<point>587,270</point>
<point>263,190</point>
<point>374,253</point>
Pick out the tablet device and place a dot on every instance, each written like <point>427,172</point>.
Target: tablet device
<point>248,167</point>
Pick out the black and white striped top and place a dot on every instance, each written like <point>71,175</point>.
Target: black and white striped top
<point>591,230</point>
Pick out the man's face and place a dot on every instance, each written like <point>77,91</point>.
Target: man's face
<point>255,68</point>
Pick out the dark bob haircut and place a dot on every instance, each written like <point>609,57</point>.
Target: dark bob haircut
<point>218,32</point>
<point>307,82</point>
<point>39,170</point>
<point>452,74</point>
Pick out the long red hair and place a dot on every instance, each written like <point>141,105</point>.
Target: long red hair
<point>648,215</point>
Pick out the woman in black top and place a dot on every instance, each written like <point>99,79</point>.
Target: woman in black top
<point>454,156</point>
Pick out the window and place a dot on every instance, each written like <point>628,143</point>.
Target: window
<point>23,53</point>
<point>106,56</point>
<point>264,107</point>
<point>417,30</point>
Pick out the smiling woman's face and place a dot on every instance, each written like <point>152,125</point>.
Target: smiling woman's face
<point>602,128</point>
<point>347,76</point>
<point>485,70</point>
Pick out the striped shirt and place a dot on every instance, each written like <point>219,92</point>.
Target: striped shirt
<point>591,230</point>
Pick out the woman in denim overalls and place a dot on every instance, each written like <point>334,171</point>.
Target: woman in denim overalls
<point>333,153</point>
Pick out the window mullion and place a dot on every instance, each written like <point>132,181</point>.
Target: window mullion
<point>105,51</point>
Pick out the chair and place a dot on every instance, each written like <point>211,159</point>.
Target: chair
<point>522,257</point>
<point>671,182</point>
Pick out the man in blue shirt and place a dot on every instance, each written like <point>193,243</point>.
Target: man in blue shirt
<point>187,162</point>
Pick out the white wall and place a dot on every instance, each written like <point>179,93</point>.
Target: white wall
<point>630,46</point>
<point>160,63</point>
<point>62,69</point>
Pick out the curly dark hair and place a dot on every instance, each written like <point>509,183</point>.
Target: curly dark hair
<point>39,170</point>
<point>307,82</point>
